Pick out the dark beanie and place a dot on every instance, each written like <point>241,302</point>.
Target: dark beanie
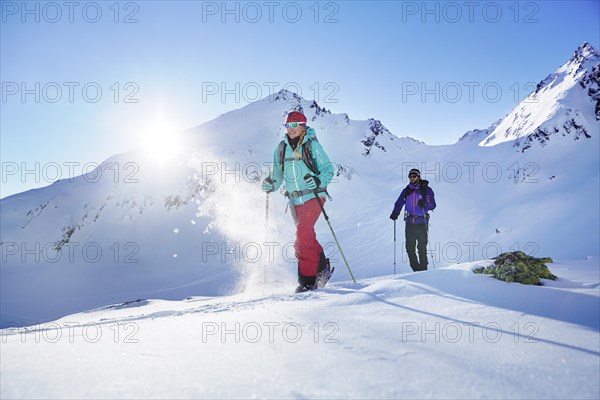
<point>414,171</point>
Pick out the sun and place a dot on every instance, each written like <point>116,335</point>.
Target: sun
<point>161,142</point>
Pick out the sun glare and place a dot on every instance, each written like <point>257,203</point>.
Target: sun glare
<point>161,142</point>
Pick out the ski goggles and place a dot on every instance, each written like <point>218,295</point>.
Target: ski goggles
<point>293,124</point>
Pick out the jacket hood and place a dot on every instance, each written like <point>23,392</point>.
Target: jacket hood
<point>310,134</point>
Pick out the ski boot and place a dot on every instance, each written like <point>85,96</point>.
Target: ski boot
<point>305,283</point>
<point>304,288</point>
<point>324,272</point>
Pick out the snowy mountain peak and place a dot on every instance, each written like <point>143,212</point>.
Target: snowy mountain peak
<point>583,52</point>
<point>377,130</point>
<point>583,59</point>
<point>287,96</point>
<point>294,102</point>
<point>566,104</point>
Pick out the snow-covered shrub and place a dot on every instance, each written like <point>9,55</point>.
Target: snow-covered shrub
<point>517,266</point>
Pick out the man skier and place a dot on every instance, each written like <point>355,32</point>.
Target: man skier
<point>418,199</point>
<point>301,161</point>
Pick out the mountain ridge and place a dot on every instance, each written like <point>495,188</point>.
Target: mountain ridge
<point>564,104</point>
<point>196,224</point>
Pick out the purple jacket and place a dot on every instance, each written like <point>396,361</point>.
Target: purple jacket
<point>415,213</point>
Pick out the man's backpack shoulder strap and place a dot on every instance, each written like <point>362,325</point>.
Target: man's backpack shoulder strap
<point>423,186</point>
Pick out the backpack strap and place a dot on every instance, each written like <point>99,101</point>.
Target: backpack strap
<point>408,191</point>
<point>307,156</point>
<point>281,151</point>
<point>309,160</point>
<point>423,187</point>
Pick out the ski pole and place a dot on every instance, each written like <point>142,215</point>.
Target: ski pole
<point>269,180</point>
<point>394,247</point>
<point>266,226</point>
<point>432,258</point>
<point>266,214</point>
<point>427,231</point>
<point>335,237</point>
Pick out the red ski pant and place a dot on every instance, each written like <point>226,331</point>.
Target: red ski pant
<point>307,247</point>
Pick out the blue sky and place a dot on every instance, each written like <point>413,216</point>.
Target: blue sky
<point>430,70</point>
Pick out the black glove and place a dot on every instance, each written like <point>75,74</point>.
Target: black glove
<point>312,182</point>
<point>422,203</point>
<point>394,216</point>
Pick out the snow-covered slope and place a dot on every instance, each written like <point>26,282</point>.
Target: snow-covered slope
<point>439,334</point>
<point>196,225</point>
<point>565,104</point>
<point>135,227</point>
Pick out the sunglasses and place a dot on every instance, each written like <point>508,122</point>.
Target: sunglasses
<point>293,124</point>
<point>412,175</point>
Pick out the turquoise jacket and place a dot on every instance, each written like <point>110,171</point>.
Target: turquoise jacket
<point>295,168</point>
